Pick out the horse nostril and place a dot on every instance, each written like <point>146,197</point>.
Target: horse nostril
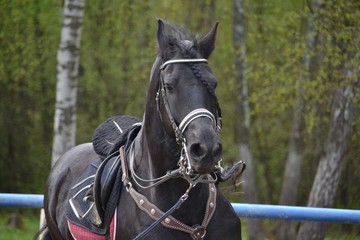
<point>197,151</point>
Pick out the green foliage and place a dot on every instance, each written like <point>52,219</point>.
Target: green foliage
<point>27,81</point>
<point>274,53</point>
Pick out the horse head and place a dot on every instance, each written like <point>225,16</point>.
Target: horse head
<point>186,99</point>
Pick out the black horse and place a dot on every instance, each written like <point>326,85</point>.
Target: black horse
<point>170,168</point>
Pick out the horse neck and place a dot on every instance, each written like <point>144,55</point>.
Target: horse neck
<point>156,151</point>
<point>159,152</point>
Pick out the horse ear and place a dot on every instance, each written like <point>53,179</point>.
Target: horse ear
<point>162,37</point>
<point>207,43</point>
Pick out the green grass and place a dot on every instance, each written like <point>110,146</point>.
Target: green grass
<point>30,226</point>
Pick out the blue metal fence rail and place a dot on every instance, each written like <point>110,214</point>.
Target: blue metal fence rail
<point>345,216</point>
<point>17,200</point>
<point>242,210</point>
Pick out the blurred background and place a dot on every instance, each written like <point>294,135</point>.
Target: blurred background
<point>286,71</point>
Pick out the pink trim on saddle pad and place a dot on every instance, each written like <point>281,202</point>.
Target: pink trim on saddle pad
<point>80,233</point>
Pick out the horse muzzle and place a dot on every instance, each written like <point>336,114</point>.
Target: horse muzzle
<point>204,157</point>
<point>204,151</point>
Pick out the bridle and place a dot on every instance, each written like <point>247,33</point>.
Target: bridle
<point>178,130</point>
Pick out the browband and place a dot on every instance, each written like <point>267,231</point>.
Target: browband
<point>199,60</point>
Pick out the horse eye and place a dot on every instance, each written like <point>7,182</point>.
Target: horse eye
<point>168,87</point>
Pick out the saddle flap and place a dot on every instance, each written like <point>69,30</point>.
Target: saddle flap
<point>104,182</point>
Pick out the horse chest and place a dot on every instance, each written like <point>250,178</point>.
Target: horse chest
<point>132,221</point>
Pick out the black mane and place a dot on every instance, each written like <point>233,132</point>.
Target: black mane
<point>180,42</point>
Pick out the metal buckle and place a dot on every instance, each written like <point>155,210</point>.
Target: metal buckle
<point>198,233</point>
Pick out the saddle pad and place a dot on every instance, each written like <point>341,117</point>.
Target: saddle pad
<point>82,210</point>
<point>79,233</point>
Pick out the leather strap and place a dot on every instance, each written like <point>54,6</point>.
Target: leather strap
<point>197,232</point>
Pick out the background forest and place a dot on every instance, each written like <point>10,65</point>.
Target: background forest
<point>302,58</point>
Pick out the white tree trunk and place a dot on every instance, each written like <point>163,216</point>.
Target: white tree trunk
<point>328,172</point>
<point>67,78</point>
<point>254,228</point>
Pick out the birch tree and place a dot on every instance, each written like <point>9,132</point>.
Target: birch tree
<point>288,196</point>
<point>328,173</point>
<point>68,58</point>
<point>67,78</point>
<point>254,228</point>
<point>342,112</point>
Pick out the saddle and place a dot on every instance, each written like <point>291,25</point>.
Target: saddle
<point>95,196</point>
